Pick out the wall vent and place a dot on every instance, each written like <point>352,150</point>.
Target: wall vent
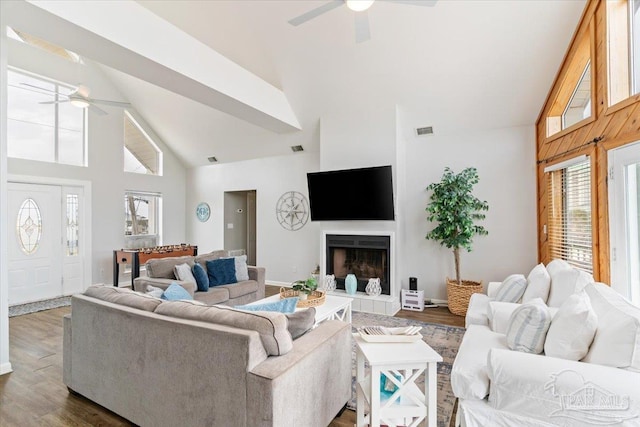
<point>297,148</point>
<point>212,159</point>
<point>427,130</point>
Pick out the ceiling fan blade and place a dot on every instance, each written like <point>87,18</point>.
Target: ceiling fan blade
<point>428,3</point>
<point>110,103</point>
<point>362,27</point>
<point>42,89</point>
<point>315,12</point>
<point>55,102</point>
<point>97,110</point>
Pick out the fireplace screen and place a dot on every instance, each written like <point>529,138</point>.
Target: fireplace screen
<point>359,258</point>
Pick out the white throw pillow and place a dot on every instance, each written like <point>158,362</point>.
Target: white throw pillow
<point>242,271</point>
<point>565,283</point>
<point>183,273</point>
<point>572,329</point>
<point>557,265</point>
<point>154,292</point>
<point>538,284</point>
<point>528,326</point>
<point>512,288</point>
<point>617,339</point>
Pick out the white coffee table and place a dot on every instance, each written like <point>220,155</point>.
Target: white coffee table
<point>408,403</point>
<point>334,308</point>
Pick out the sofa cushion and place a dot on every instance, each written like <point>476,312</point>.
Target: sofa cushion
<point>124,296</point>
<point>202,259</point>
<point>528,326</point>
<point>567,282</point>
<point>512,288</point>
<point>477,311</point>
<point>538,284</point>
<point>162,268</point>
<point>617,339</point>
<point>300,322</point>
<point>221,271</point>
<point>240,289</point>
<point>469,379</point>
<point>183,272</point>
<point>572,329</point>
<point>202,280</point>
<point>242,270</point>
<point>557,265</point>
<point>175,292</point>
<point>271,326</point>
<point>215,295</point>
<point>286,305</point>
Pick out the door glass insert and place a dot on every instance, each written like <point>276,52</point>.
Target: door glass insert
<point>72,225</point>
<point>29,226</point>
<point>632,208</point>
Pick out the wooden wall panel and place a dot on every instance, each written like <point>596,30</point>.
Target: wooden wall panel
<point>616,126</point>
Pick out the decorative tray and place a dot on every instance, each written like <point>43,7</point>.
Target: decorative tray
<point>390,335</point>
<point>314,299</point>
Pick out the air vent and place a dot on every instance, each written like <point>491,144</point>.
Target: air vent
<point>212,159</point>
<point>428,130</point>
<point>297,148</point>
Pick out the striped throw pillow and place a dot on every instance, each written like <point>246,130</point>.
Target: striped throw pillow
<point>512,288</point>
<point>528,326</point>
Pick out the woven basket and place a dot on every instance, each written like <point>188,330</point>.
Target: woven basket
<point>314,299</point>
<point>458,295</point>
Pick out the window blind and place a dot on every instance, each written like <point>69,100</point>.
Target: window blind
<point>569,230</point>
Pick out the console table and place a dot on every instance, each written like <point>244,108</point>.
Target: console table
<point>407,361</point>
<point>136,257</point>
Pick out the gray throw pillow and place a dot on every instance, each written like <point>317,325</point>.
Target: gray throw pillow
<point>242,271</point>
<point>300,322</point>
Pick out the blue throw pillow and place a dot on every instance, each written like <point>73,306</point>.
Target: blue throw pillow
<point>202,280</point>
<point>287,305</point>
<point>175,292</point>
<point>221,271</point>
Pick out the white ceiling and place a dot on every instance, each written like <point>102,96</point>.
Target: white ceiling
<point>457,65</point>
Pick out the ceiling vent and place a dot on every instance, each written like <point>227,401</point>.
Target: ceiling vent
<point>428,130</point>
<point>212,159</point>
<point>297,148</point>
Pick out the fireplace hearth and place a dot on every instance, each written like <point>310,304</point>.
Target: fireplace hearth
<point>365,256</point>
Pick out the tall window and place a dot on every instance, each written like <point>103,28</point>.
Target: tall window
<point>142,219</point>
<point>623,47</point>
<point>39,127</point>
<point>141,154</point>
<point>569,229</point>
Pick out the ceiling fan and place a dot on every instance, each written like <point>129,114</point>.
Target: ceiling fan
<point>80,98</point>
<point>360,7</point>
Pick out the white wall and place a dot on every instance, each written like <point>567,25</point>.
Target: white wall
<point>105,159</point>
<point>286,255</point>
<point>505,159</point>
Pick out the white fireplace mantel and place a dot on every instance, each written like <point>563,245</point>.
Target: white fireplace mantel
<point>383,304</point>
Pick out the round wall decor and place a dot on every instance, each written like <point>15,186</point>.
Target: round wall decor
<point>203,211</point>
<point>292,210</point>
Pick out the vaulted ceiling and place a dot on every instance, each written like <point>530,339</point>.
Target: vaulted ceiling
<point>457,65</point>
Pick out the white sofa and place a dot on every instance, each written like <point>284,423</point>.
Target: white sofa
<point>500,387</point>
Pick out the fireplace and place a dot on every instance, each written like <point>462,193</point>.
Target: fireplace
<point>365,256</point>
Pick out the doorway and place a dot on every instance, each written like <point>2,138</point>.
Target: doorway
<point>45,241</point>
<point>624,220</point>
<point>240,224</point>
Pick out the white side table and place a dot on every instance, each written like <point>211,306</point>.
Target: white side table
<point>408,405</point>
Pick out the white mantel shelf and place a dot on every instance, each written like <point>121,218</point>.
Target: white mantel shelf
<point>382,304</point>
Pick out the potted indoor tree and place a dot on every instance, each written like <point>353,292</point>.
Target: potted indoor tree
<point>455,210</point>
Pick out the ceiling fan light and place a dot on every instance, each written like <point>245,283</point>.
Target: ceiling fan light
<point>80,103</point>
<point>359,5</point>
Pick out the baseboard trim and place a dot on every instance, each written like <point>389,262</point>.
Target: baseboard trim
<point>276,283</point>
<point>5,368</point>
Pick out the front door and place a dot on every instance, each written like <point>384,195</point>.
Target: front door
<point>34,242</point>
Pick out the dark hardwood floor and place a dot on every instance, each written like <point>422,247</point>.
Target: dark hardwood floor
<point>34,394</point>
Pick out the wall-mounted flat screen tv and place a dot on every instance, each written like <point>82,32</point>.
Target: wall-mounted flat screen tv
<point>351,194</point>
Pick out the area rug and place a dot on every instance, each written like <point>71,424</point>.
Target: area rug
<point>445,340</point>
<point>32,307</point>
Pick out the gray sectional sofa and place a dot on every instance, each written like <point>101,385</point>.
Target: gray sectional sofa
<point>160,273</point>
<point>182,363</point>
